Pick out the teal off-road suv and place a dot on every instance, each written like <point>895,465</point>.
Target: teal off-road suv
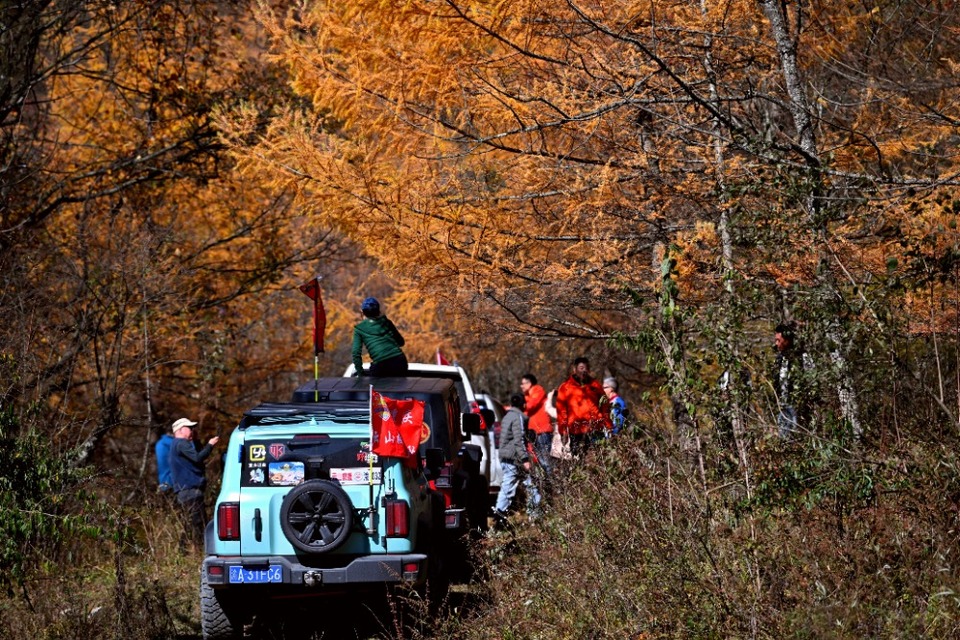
<point>306,509</point>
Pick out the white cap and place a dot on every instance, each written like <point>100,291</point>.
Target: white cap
<point>182,422</point>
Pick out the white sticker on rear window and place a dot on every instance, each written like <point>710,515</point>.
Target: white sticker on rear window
<point>355,475</point>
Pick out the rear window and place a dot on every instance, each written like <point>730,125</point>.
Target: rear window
<point>288,462</point>
<point>441,418</point>
<point>443,375</point>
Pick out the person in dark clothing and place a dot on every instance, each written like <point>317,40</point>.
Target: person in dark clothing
<point>382,340</point>
<point>792,364</point>
<point>189,478</point>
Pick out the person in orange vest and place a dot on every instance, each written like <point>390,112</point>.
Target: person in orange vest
<point>538,421</point>
<point>579,411</point>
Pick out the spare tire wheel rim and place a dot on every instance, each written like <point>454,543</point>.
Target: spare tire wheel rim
<point>316,516</point>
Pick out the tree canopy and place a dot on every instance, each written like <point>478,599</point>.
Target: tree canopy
<point>653,183</point>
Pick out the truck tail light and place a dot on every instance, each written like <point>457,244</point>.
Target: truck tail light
<point>228,520</point>
<point>444,484</point>
<point>410,571</point>
<point>398,518</point>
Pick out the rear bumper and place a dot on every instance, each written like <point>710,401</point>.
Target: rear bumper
<point>367,570</point>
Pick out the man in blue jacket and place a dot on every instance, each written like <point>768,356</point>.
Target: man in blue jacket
<point>189,477</point>
<point>162,450</point>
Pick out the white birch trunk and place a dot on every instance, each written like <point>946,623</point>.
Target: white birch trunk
<point>799,104</point>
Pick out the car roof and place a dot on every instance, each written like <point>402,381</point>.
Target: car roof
<point>421,366</point>
<point>295,412</point>
<point>425,366</point>
<point>425,370</point>
<point>358,388</point>
<point>487,401</point>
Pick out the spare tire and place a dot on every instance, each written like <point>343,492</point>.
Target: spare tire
<point>316,516</point>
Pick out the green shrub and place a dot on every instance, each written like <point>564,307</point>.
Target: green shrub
<point>42,501</point>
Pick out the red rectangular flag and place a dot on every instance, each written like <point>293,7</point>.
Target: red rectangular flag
<point>312,291</point>
<point>397,427</point>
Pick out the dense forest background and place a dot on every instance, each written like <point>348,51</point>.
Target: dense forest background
<point>653,184</point>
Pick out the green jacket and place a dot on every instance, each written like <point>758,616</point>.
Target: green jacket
<point>381,338</point>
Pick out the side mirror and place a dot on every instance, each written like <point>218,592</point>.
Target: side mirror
<point>471,424</point>
<point>489,417</point>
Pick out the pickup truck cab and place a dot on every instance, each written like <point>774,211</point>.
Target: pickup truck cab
<point>305,508</point>
<point>490,460</point>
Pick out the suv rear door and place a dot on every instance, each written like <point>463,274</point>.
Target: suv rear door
<point>281,452</point>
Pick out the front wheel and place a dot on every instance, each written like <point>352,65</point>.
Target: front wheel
<point>220,614</point>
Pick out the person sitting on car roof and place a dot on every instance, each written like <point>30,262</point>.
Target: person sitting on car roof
<point>382,340</point>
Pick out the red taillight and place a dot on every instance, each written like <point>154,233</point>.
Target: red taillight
<point>398,518</point>
<point>228,520</point>
<point>312,437</point>
<point>410,571</point>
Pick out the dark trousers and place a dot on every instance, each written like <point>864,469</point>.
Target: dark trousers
<point>194,516</point>
<point>580,443</point>
<point>389,368</point>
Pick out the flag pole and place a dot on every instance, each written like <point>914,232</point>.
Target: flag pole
<point>371,525</point>
<point>370,457</point>
<point>316,343</point>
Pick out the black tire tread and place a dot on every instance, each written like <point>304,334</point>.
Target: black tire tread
<point>216,622</point>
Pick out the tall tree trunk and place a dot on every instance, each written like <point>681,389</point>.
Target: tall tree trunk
<point>670,336</point>
<point>734,380</point>
<point>799,105</point>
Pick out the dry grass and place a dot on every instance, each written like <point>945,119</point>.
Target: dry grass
<point>834,543</point>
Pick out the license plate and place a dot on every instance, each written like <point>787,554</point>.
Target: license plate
<point>241,575</point>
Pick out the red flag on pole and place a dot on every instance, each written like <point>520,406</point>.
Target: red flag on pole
<point>312,291</point>
<point>440,358</point>
<point>397,427</point>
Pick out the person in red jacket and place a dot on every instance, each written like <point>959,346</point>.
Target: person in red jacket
<point>579,413</point>
<point>538,420</point>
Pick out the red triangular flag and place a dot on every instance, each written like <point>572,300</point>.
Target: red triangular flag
<point>312,291</point>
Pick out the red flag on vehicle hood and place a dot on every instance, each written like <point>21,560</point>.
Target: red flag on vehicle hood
<point>397,427</point>
<point>440,358</point>
<point>312,291</point>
